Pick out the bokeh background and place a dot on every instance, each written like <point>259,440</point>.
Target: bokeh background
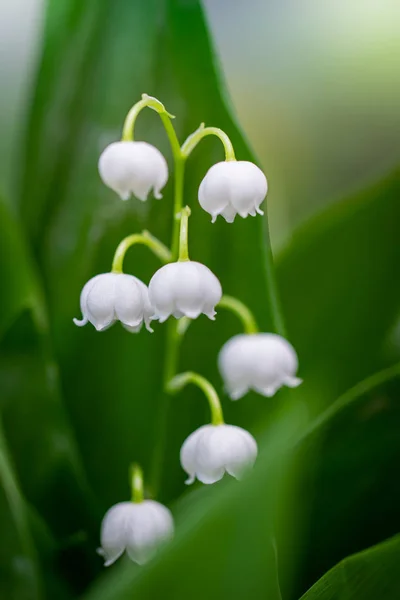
<point>316,87</point>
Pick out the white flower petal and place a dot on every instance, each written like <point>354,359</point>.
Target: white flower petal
<point>233,187</point>
<point>211,476</point>
<point>132,328</point>
<point>188,453</point>
<point>212,194</point>
<point>83,301</point>
<point>229,214</point>
<point>185,288</point>
<point>114,531</point>
<point>212,450</point>
<point>263,362</point>
<point>133,167</point>
<point>292,382</point>
<point>139,528</point>
<point>151,527</point>
<point>111,296</point>
<point>128,302</point>
<point>81,322</point>
<point>110,558</point>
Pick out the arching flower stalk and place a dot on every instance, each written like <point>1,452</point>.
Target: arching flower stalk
<point>213,450</point>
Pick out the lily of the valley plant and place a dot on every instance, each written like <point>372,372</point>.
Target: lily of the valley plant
<point>183,289</point>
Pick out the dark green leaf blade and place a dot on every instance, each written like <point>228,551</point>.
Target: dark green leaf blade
<point>352,455</point>
<point>19,288</point>
<point>339,291</point>
<point>35,423</point>
<point>368,575</point>
<point>20,573</point>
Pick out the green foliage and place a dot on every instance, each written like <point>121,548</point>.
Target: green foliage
<point>370,574</point>
<point>78,407</point>
<point>20,576</point>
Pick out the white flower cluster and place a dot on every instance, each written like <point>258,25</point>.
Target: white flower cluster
<point>181,289</point>
<point>262,362</point>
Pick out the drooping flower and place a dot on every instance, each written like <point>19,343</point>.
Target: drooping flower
<point>212,450</point>
<point>111,297</point>
<point>262,362</point>
<point>137,528</point>
<point>233,187</point>
<point>133,168</point>
<point>184,288</point>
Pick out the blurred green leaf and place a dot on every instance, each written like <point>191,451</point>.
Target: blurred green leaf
<point>341,302</point>
<point>339,292</point>
<point>368,575</point>
<point>19,289</point>
<point>35,424</point>
<point>20,577</point>
<point>355,490</point>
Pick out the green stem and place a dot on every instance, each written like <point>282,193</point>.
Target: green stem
<point>191,142</point>
<point>178,201</point>
<point>137,483</point>
<point>157,247</point>
<point>183,234</point>
<point>171,354</point>
<point>180,381</point>
<point>241,311</point>
<point>148,102</point>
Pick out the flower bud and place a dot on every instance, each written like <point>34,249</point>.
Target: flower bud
<point>109,297</point>
<point>212,450</point>
<point>184,288</point>
<point>137,528</point>
<point>233,187</point>
<point>262,362</point>
<point>133,168</point>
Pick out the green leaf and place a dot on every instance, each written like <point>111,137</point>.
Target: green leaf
<point>19,289</point>
<point>371,574</point>
<point>339,294</point>
<point>35,424</point>
<point>351,455</point>
<point>20,575</point>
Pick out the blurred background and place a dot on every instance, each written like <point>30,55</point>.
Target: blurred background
<point>316,87</point>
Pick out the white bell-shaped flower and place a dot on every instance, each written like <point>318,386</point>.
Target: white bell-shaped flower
<point>184,288</point>
<point>133,168</point>
<point>233,187</point>
<point>212,450</point>
<point>262,362</point>
<point>111,297</point>
<point>137,528</point>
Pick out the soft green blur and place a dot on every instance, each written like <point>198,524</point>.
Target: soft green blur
<point>316,87</point>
